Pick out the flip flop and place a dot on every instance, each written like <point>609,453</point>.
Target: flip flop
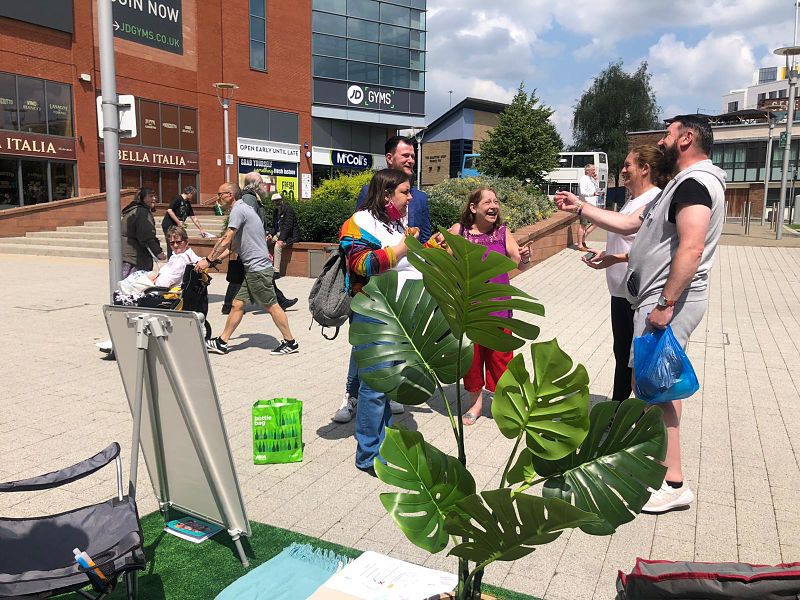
<point>469,418</point>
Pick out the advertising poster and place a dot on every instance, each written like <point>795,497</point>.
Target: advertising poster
<point>280,176</point>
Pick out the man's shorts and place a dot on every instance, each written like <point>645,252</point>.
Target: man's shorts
<point>685,319</point>
<point>583,220</point>
<point>257,288</point>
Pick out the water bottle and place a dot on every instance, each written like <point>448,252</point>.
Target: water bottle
<point>96,576</point>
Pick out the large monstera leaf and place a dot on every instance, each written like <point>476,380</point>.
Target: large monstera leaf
<point>552,408</point>
<point>435,483</point>
<point>610,472</point>
<point>502,526</point>
<point>413,338</point>
<point>458,282</point>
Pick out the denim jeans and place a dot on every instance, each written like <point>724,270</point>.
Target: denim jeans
<point>352,384</point>
<point>373,413</point>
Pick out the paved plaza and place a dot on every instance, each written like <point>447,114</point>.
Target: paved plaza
<point>61,403</point>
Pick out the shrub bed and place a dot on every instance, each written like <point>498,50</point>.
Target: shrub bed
<point>333,202</point>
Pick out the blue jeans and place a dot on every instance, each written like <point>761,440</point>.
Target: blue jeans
<point>352,384</point>
<point>373,413</point>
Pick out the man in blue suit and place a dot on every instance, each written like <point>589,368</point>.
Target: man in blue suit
<point>400,155</point>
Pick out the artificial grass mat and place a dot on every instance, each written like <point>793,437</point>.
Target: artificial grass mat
<point>180,570</point>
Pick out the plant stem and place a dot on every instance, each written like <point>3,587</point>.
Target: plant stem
<point>511,458</point>
<point>447,406</point>
<point>478,571</point>
<point>462,456</point>
<point>526,485</point>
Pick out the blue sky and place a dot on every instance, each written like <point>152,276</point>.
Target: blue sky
<point>696,50</point>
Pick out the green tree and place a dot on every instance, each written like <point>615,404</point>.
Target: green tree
<point>525,144</point>
<point>616,103</point>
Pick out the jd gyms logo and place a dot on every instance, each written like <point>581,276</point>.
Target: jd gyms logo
<point>355,95</point>
<point>363,96</point>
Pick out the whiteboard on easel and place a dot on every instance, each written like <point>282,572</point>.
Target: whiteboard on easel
<point>183,437</point>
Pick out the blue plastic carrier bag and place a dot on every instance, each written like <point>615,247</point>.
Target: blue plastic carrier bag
<point>663,371</point>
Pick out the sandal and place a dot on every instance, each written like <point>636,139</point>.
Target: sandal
<point>469,418</point>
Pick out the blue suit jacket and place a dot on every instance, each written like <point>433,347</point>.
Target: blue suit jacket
<point>419,214</point>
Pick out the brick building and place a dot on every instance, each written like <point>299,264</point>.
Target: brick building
<point>741,139</point>
<point>169,53</point>
<point>457,132</point>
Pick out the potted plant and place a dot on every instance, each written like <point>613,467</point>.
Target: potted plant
<point>595,468</point>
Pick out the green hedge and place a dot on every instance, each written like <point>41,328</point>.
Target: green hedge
<point>520,204</point>
<point>333,202</point>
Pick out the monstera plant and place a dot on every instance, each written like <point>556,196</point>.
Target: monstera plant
<point>595,468</point>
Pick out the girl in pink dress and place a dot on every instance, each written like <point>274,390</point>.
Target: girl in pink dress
<point>481,224</point>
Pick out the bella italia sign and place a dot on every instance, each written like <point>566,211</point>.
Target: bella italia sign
<point>41,146</point>
<point>149,157</point>
<point>154,23</point>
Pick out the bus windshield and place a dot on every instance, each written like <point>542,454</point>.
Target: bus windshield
<point>571,168</point>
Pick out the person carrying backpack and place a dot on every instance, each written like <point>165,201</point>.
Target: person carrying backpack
<point>373,242</point>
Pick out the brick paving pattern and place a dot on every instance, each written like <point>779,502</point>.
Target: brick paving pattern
<point>741,434</point>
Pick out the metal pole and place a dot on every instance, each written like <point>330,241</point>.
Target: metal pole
<point>419,158</point>
<point>786,152</point>
<point>225,104</point>
<point>768,170</point>
<point>108,82</point>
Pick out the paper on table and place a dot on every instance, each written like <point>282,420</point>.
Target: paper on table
<point>374,576</point>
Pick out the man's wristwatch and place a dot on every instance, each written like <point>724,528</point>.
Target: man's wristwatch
<point>664,303</point>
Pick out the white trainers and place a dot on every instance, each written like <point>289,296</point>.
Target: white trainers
<point>105,347</point>
<point>667,497</point>
<point>346,410</point>
<point>397,408</point>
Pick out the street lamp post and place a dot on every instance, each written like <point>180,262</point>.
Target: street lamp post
<point>792,75</point>
<point>767,165</point>
<point>418,138</point>
<point>225,93</point>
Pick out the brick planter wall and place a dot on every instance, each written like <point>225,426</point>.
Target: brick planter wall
<point>47,216</point>
<point>549,237</point>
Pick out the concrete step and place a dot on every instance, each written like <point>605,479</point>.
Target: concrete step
<point>10,248</point>
<point>209,225</point>
<point>65,242</point>
<point>67,235</point>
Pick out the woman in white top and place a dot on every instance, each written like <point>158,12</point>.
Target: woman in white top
<point>640,176</point>
<point>373,240</point>
<point>182,255</point>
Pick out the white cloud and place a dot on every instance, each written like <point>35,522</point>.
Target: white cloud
<point>697,50</point>
<point>709,67</point>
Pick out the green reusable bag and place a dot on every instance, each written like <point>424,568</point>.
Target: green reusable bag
<point>277,431</point>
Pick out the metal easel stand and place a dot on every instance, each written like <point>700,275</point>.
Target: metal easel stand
<point>157,327</point>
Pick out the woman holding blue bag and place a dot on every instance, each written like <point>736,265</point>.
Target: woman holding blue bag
<point>642,179</point>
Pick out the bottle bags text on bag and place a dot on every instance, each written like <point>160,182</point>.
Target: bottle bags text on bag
<point>277,431</point>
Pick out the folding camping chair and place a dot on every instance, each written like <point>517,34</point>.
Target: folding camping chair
<point>36,554</point>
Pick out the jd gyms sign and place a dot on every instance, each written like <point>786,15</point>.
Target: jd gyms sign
<point>154,23</point>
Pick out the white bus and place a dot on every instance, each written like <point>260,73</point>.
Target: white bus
<point>567,175</point>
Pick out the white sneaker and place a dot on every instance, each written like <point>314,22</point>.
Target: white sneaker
<point>397,408</point>
<point>346,410</point>
<point>105,346</point>
<point>667,497</point>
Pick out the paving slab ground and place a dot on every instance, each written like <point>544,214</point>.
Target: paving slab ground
<point>60,403</point>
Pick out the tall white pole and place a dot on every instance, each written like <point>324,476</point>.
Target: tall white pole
<point>108,83</point>
<point>786,152</point>
<point>225,104</point>
<point>768,169</point>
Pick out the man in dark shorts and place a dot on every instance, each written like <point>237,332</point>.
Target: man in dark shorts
<point>245,235</point>
<point>179,210</point>
<point>669,262</point>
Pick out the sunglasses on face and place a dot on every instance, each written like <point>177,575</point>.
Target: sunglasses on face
<point>176,242</point>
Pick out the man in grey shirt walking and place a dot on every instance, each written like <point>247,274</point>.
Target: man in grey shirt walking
<point>245,235</point>
<point>669,262</point>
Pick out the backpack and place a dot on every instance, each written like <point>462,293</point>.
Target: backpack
<point>329,300</point>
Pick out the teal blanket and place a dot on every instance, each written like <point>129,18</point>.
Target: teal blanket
<point>294,574</point>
